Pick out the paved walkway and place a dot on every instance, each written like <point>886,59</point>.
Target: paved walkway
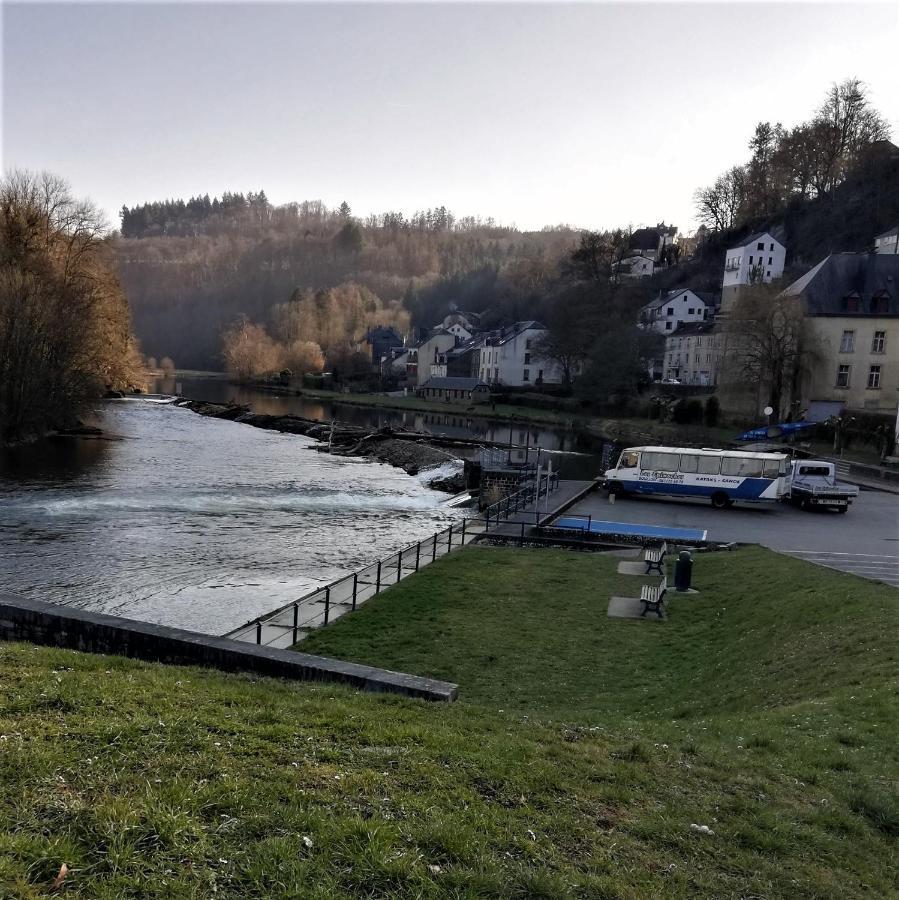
<point>865,540</point>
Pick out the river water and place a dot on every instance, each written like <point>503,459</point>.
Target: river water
<point>204,524</point>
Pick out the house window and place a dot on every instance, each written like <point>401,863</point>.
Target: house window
<point>769,273</point>
<point>851,303</point>
<point>880,305</point>
<point>527,359</point>
<point>750,260</point>
<point>879,342</point>
<point>874,377</point>
<point>843,376</point>
<point>847,342</point>
<point>770,260</point>
<point>668,326</point>
<point>669,311</point>
<point>761,246</point>
<point>527,344</point>
<point>691,311</point>
<point>527,375</point>
<point>539,374</point>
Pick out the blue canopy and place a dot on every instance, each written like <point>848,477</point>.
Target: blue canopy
<point>775,431</point>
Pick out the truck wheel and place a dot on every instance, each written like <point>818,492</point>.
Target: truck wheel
<point>720,500</point>
<point>842,509</point>
<point>617,488</point>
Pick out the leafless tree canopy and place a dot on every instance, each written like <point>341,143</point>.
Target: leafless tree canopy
<point>65,331</point>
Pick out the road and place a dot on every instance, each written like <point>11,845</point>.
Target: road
<point>864,541</point>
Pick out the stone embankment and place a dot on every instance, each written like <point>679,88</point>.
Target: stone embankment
<point>414,453</point>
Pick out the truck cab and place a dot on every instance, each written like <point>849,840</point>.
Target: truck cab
<point>812,484</point>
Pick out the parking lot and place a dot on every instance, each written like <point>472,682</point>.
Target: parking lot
<point>864,541</point>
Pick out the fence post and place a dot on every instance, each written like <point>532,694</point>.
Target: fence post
<point>449,540</point>
<point>378,582</point>
<point>399,566</point>
<point>463,532</point>
<point>433,547</point>
<point>355,586</point>
<point>327,603</point>
<point>296,619</point>
<point>259,631</point>
<point>417,555</point>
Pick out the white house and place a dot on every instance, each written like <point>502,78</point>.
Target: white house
<point>888,242</point>
<point>462,325</point>
<point>674,308</point>
<point>760,258</point>
<point>426,354</point>
<point>509,357</point>
<point>635,266</point>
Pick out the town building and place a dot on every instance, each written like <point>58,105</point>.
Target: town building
<point>851,304</point>
<point>425,354</point>
<point>453,389</point>
<point>509,356</point>
<point>694,353</point>
<point>759,259</point>
<point>674,308</point>
<point>637,265</point>
<point>382,339</point>
<point>888,242</point>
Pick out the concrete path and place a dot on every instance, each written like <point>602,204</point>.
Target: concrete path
<point>865,540</point>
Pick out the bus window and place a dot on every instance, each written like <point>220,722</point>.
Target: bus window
<point>659,462</point>
<point>628,460</point>
<point>709,465</point>
<point>741,466</point>
<point>773,468</point>
<point>689,464</point>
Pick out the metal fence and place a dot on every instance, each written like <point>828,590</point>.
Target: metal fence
<point>285,626</point>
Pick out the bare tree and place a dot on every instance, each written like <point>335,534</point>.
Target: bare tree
<point>717,206</point>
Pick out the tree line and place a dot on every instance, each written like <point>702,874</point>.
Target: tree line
<point>789,165</point>
<point>65,330</point>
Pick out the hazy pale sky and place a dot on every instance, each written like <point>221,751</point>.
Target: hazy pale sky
<point>592,114</point>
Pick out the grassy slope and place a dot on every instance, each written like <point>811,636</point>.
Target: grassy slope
<point>765,708</point>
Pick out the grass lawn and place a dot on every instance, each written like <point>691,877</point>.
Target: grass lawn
<point>578,756</point>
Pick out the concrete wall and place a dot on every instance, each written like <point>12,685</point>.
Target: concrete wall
<point>22,619</point>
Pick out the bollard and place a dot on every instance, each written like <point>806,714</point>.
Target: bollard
<point>378,581</point>
<point>683,571</point>
<point>355,588</point>
<point>258,631</point>
<point>611,498</point>
<point>296,615</point>
<point>327,604</point>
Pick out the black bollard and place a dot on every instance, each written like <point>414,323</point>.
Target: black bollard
<point>683,571</point>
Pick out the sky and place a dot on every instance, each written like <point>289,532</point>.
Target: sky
<point>593,114</point>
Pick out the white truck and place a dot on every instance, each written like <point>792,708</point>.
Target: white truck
<point>813,483</point>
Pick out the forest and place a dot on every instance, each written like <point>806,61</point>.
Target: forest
<point>304,282</point>
<point>65,331</point>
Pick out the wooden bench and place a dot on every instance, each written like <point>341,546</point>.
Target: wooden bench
<point>654,557</point>
<point>652,598</point>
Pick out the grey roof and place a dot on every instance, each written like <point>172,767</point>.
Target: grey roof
<point>891,232</point>
<point>825,287</point>
<point>753,238</point>
<point>707,298</point>
<point>502,336</point>
<point>691,328</point>
<point>451,383</point>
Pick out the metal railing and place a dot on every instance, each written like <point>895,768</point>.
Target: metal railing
<point>285,626</point>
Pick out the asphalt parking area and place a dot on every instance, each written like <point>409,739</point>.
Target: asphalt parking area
<point>864,540</point>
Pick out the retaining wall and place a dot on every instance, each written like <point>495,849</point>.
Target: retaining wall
<point>23,619</point>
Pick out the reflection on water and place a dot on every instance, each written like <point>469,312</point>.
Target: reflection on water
<point>195,522</point>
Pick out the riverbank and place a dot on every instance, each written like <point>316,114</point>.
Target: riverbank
<point>413,454</point>
<point>745,747</point>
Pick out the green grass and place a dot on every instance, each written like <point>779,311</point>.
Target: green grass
<point>575,761</point>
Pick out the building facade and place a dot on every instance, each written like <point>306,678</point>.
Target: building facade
<point>759,259</point>
<point>694,352</point>
<point>674,308</point>
<point>851,303</point>
<point>888,242</point>
<point>509,357</point>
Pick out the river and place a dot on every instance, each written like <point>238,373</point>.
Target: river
<point>199,523</point>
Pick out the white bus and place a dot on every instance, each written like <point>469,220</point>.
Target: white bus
<point>721,476</point>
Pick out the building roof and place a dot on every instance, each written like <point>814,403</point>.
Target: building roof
<point>754,238</point>
<point>689,329</point>
<point>891,232</point>
<point>866,275</point>
<point>662,299</point>
<point>502,336</point>
<point>452,383</point>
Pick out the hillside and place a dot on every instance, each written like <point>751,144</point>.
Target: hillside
<point>578,758</point>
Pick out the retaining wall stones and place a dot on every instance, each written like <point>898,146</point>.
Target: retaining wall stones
<point>23,619</point>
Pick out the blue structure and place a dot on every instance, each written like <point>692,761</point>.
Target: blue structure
<point>656,532</point>
<point>775,431</point>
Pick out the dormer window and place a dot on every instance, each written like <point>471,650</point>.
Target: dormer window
<point>852,303</point>
<point>880,303</point>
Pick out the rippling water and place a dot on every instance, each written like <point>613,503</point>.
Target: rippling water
<point>196,522</point>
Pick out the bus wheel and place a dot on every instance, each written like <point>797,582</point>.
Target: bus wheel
<point>616,488</point>
<point>720,500</point>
